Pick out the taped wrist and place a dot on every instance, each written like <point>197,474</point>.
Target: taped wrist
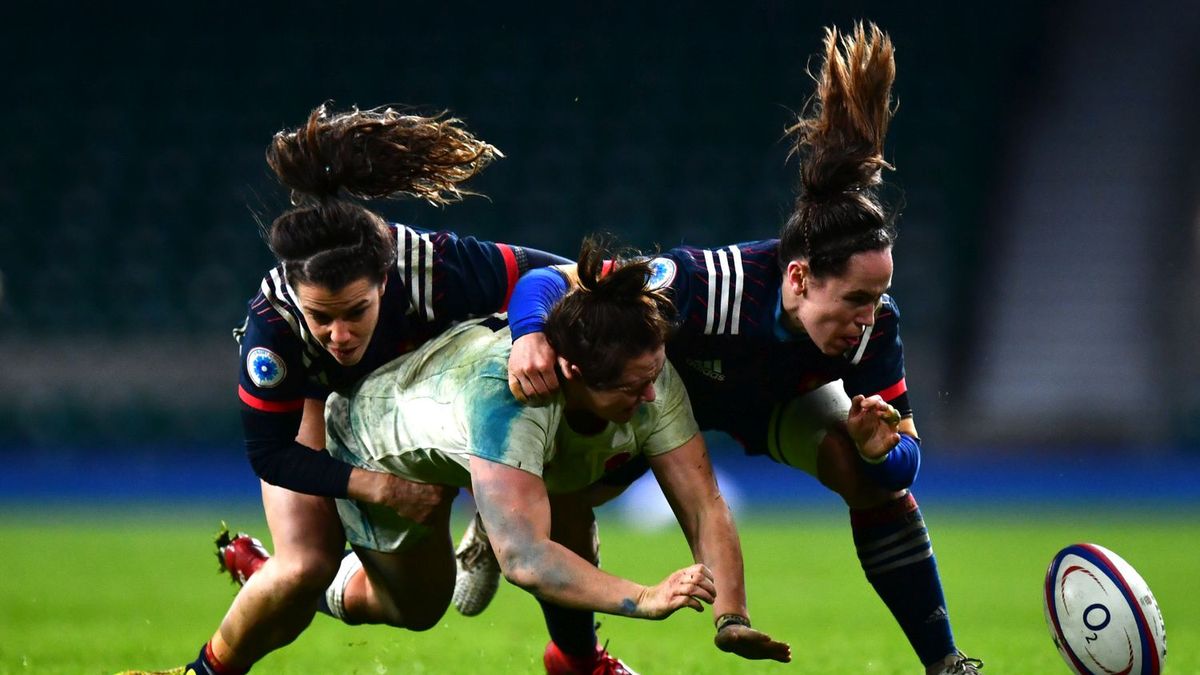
<point>898,469</point>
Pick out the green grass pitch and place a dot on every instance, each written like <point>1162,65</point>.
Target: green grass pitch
<point>100,591</point>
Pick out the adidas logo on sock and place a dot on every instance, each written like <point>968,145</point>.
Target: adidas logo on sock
<point>710,369</point>
<point>938,614</point>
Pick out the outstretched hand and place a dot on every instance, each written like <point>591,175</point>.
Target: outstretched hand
<point>531,376</point>
<point>751,644</point>
<point>687,587</point>
<point>873,425</point>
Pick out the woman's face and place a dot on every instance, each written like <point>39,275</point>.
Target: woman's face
<point>342,321</point>
<point>834,310</point>
<point>635,386</point>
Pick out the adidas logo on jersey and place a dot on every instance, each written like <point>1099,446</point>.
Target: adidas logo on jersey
<point>710,369</point>
<point>938,614</point>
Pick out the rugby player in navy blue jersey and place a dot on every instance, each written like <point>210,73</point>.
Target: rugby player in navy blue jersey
<point>351,292</point>
<point>792,346</point>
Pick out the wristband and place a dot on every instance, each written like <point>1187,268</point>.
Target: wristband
<point>731,620</point>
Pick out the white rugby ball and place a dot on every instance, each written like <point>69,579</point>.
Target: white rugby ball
<point>1101,614</point>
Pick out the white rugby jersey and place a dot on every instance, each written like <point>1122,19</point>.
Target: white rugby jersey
<point>425,414</point>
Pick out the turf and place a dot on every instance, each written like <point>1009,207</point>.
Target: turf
<point>85,591</point>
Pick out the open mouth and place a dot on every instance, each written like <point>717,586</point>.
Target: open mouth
<point>341,352</point>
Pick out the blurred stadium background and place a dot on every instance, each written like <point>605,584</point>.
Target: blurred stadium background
<point>1048,266</point>
<point>1048,262</point>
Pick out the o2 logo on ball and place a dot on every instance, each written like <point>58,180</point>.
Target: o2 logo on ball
<point>1101,614</point>
<point>1089,616</point>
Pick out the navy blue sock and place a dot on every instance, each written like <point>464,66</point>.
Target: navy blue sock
<point>895,552</point>
<point>206,664</point>
<point>573,630</point>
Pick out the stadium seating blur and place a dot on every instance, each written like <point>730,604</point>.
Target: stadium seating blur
<point>134,186</point>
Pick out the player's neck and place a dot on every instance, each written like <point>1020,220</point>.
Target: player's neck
<point>584,422</point>
<point>789,304</point>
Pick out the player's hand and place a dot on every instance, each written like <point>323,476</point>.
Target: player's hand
<point>687,587</point>
<point>873,425</point>
<point>531,376</point>
<point>418,502</point>
<point>751,644</point>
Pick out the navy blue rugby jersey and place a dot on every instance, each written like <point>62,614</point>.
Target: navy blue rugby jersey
<point>439,279</point>
<point>736,365</point>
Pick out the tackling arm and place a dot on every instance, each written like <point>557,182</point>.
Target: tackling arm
<point>516,511</point>
<point>687,480</point>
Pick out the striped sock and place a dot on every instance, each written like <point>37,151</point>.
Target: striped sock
<point>896,555</point>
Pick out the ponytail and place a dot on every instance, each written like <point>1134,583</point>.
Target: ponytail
<point>336,158</point>
<point>610,318</point>
<point>840,145</point>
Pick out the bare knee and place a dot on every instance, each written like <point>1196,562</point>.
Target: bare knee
<point>305,573</point>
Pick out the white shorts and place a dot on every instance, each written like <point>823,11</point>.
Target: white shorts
<point>798,426</point>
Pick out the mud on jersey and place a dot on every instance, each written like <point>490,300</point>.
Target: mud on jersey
<point>424,415</point>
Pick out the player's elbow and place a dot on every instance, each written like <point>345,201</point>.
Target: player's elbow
<point>520,566</point>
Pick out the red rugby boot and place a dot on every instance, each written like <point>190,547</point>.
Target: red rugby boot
<point>599,663</point>
<point>240,555</point>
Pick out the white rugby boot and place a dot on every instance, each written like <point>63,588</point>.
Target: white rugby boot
<point>957,663</point>
<point>478,575</point>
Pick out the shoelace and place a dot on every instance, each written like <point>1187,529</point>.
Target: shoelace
<point>478,552</point>
<point>611,664</point>
<point>965,666</point>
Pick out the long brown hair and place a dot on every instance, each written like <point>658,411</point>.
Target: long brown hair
<point>839,140</point>
<point>610,318</point>
<point>336,158</point>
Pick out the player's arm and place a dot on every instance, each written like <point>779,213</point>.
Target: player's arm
<point>412,500</point>
<point>516,511</point>
<point>283,424</point>
<point>469,277</point>
<point>285,450</point>
<point>531,374</point>
<point>880,421</point>
<point>687,480</point>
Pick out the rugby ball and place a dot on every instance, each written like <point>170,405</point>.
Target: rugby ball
<point>1101,615</point>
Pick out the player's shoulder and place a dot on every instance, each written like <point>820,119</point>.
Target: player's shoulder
<point>748,258</point>
<point>273,310</point>
<point>889,310</point>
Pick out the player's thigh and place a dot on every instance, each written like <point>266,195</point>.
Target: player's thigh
<point>305,529</point>
<point>415,582</point>
<point>797,428</point>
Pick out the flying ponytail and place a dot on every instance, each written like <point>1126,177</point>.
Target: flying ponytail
<point>839,141</point>
<point>377,154</point>
<point>336,158</point>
